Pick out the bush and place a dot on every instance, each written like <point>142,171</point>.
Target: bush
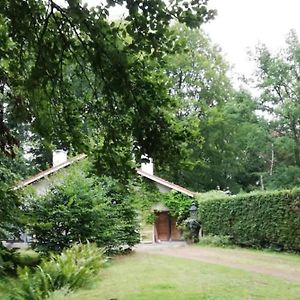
<point>28,258</point>
<point>10,259</point>
<point>6,260</point>
<point>83,208</point>
<point>269,219</point>
<point>211,195</point>
<point>72,269</point>
<point>216,240</point>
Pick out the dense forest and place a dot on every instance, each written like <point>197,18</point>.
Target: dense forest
<point>244,142</point>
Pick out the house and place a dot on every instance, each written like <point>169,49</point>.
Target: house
<point>164,228</point>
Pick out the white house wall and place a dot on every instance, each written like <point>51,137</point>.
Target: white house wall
<point>41,186</point>
<point>162,188</point>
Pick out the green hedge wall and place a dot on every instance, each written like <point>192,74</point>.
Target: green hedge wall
<point>269,219</point>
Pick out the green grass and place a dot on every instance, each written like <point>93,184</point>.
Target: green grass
<point>154,277</point>
<point>265,258</point>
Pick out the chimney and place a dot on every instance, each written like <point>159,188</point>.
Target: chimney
<point>59,157</point>
<point>147,167</point>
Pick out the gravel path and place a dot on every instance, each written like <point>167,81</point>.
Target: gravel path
<point>260,262</point>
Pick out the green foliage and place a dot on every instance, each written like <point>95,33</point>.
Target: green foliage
<point>9,199</point>
<point>72,269</point>
<point>178,204</point>
<point>146,195</point>
<point>230,142</point>
<point>215,241</point>
<point>26,257</point>
<point>67,72</point>
<point>211,195</point>
<point>277,77</point>
<point>284,176</point>
<point>81,208</point>
<point>6,261</point>
<point>266,219</point>
<point>11,259</point>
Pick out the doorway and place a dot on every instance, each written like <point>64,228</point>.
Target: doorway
<point>165,227</point>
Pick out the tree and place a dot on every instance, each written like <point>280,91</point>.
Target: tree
<point>234,147</point>
<point>8,201</point>
<point>223,152</point>
<point>70,77</point>
<point>199,75</point>
<point>278,78</point>
<point>74,75</point>
<point>82,208</point>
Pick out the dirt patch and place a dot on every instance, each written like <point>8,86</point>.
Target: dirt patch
<point>259,262</point>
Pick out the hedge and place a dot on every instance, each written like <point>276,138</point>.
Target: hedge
<point>269,219</point>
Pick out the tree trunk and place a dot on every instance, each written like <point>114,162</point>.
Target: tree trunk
<point>272,159</point>
<point>297,143</point>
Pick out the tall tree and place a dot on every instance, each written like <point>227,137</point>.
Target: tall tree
<point>224,154</point>
<point>69,76</point>
<point>278,77</point>
<point>71,73</point>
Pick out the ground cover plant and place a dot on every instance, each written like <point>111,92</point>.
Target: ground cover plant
<point>158,277</point>
<point>216,240</point>
<point>72,269</point>
<point>265,219</point>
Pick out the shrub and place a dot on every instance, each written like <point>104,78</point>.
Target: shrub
<point>216,240</point>
<point>72,269</point>
<point>24,258</point>
<point>211,195</point>
<point>10,259</point>
<point>269,219</point>
<point>6,260</point>
<point>82,208</point>
<point>178,204</point>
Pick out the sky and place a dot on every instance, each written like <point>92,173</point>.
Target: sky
<point>241,24</point>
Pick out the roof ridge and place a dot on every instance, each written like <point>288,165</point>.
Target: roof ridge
<point>166,183</point>
<point>52,170</point>
<point>49,171</point>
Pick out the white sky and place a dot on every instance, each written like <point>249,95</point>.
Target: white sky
<point>241,24</point>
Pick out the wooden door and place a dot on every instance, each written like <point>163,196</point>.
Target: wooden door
<point>175,232</point>
<point>162,225</point>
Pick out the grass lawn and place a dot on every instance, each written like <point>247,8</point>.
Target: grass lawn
<point>154,277</point>
<point>281,262</point>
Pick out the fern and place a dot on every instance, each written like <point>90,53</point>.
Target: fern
<point>72,269</point>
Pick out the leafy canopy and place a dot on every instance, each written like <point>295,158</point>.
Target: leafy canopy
<point>84,82</point>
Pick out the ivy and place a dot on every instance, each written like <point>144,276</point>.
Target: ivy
<point>147,195</point>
